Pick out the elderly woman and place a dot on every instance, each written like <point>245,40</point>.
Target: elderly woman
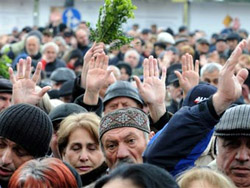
<point>50,62</point>
<point>79,146</point>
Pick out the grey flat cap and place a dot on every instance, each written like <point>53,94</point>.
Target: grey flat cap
<point>234,122</point>
<point>62,74</point>
<point>122,89</point>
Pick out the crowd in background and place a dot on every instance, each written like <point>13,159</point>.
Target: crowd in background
<point>100,109</point>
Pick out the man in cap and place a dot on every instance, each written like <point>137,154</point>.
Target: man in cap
<point>5,93</point>
<point>233,135</point>
<point>232,130</point>
<point>124,135</point>
<point>25,133</point>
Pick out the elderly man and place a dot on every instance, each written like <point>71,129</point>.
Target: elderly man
<point>32,49</point>
<point>210,73</point>
<point>25,134</point>
<point>124,135</point>
<point>176,154</point>
<point>5,93</point>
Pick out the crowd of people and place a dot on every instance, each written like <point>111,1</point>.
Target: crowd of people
<point>167,110</point>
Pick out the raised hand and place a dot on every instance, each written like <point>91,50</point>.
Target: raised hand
<point>96,78</point>
<point>167,58</point>
<point>152,90</point>
<point>190,74</point>
<point>230,86</point>
<point>92,52</point>
<point>24,86</point>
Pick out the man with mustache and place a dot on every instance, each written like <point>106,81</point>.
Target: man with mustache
<point>124,135</point>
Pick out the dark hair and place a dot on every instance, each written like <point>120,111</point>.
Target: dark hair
<point>142,175</point>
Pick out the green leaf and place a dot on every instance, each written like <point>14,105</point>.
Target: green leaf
<point>109,25</point>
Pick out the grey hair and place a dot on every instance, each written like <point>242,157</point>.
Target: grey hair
<point>50,44</point>
<point>210,67</point>
<point>33,37</point>
<point>61,40</point>
<point>130,52</point>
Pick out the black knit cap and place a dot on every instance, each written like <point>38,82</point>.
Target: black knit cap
<point>27,126</point>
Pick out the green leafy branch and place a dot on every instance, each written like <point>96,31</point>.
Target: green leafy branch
<point>5,61</point>
<point>111,17</point>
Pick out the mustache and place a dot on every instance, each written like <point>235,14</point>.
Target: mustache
<point>124,161</point>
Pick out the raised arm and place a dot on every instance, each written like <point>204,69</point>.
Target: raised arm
<point>230,86</point>
<point>96,78</point>
<point>24,85</point>
<point>190,74</point>
<point>92,52</point>
<point>152,89</point>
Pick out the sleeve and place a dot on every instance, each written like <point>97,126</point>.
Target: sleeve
<point>186,135</point>
<point>91,108</point>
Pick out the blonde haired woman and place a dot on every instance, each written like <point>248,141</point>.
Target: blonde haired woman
<point>204,178</point>
<point>79,146</point>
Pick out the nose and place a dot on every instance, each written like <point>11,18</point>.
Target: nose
<point>122,152</point>
<point>84,157</point>
<point>7,157</point>
<point>242,154</point>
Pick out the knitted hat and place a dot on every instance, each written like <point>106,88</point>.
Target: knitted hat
<point>122,89</point>
<point>234,122</point>
<point>27,126</point>
<point>128,117</point>
<point>5,86</point>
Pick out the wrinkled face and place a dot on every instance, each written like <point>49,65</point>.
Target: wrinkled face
<point>132,59</point>
<point>234,159</point>
<point>11,157</point>
<point>119,103</point>
<point>123,145</point>
<point>211,78</point>
<point>121,183</point>
<point>32,46</point>
<point>82,152</point>
<point>82,37</point>
<point>50,54</point>
<point>5,101</point>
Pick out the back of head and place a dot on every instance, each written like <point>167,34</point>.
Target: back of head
<point>141,175</point>
<point>62,74</point>
<point>48,172</point>
<point>27,126</point>
<point>204,177</point>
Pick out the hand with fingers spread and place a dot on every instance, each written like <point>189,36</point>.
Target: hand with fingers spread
<point>167,59</point>
<point>230,86</point>
<point>23,86</point>
<point>152,89</point>
<point>92,52</point>
<point>190,74</point>
<point>96,78</point>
